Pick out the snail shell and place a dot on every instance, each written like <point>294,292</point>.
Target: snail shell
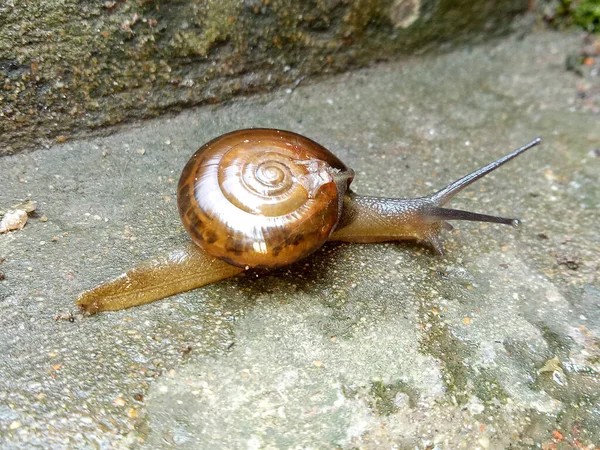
<point>262,197</point>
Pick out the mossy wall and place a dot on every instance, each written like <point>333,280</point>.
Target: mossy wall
<point>71,67</point>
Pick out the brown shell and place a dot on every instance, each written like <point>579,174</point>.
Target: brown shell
<point>261,197</point>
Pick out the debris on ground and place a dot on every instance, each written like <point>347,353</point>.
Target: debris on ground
<point>16,217</point>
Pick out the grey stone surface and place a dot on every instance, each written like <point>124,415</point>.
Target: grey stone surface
<point>494,345</point>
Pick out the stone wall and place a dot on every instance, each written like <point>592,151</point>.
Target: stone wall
<point>72,67</point>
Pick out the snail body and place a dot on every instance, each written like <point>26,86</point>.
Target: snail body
<point>266,198</point>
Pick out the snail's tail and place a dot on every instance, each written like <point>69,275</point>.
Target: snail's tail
<point>444,195</point>
<point>178,271</point>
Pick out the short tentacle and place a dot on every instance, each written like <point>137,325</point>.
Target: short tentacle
<point>436,214</point>
<point>433,240</point>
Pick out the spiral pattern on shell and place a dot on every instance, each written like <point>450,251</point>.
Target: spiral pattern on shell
<point>261,197</point>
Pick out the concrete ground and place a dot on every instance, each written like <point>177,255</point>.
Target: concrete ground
<point>495,345</point>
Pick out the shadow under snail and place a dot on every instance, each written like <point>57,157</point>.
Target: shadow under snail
<point>265,198</point>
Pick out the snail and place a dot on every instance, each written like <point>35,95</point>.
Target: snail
<point>265,198</point>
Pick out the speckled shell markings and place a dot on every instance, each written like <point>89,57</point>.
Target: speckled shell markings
<point>260,197</point>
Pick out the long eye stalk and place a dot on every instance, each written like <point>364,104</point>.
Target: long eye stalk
<point>444,195</point>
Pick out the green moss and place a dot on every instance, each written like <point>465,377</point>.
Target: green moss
<point>587,15</point>
<point>559,345</point>
<point>440,343</point>
<point>583,13</point>
<point>487,388</point>
<point>213,22</point>
<point>384,396</point>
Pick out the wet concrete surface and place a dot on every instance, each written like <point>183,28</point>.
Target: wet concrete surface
<point>495,345</point>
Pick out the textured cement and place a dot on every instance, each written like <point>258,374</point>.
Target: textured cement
<point>495,345</point>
